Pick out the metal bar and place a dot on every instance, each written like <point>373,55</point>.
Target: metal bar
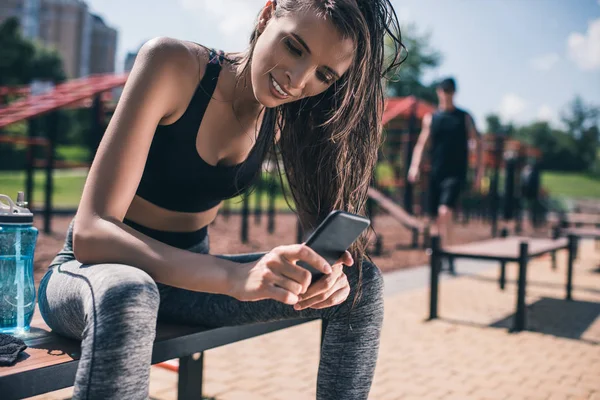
<point>189,384</point>
<point>502,275</point>
<point>435,259</point>
<point>571,255</point>
<point>426,236</point>
<point>52,134</point>
<point>415,238</point>
<point>245,216</point>
<point>520,321</point>
<point>503,233</point>
<point>258,201</point>
<point>271,211</point>
<point>555,235</point>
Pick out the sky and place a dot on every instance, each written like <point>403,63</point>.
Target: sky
<point>523,59</point>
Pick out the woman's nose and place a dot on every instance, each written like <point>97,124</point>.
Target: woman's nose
<point>298,77</point>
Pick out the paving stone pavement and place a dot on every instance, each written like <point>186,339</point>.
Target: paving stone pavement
<point>466,354</point>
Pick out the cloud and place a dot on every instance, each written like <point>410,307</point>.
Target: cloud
<point>234,17</point>
<point>512,107</point>
<point>584,49</point>
<point>546,113</point>
<point>544,62</point>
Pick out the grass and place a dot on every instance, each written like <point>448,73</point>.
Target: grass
<point>68,187</point>
<point>575,185</point>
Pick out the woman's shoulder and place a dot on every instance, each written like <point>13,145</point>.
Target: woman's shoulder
<point>186,59</point>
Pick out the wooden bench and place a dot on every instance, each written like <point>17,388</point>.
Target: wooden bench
<point>584,233</point>
<point>503,250</point>
<point>50,361</point>
<point>579,219</point>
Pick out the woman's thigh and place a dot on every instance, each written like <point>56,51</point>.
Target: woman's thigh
<point>71,294</point>
<point>216,310</point>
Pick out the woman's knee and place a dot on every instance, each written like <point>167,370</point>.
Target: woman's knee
<point>124,290</point>
<point>372,283</point>
<point>366,283</point>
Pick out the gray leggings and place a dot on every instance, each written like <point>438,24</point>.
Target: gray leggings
<point>113,310</point>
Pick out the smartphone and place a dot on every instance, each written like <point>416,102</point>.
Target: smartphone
<point>334,236</point>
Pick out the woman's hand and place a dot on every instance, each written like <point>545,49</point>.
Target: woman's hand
<point>330,290</point>
<point>276,275</point>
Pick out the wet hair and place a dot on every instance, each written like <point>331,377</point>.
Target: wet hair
<point>329,142</point>
<point>448,85</point>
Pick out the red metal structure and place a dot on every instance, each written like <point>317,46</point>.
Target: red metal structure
<point>85,92</point>
<point>64,95</point>
<point>405,106</point>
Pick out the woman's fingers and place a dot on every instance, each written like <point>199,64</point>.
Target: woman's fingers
<point>336,298</point>
<point>337,294</point>
<point>281,295</point>
<point>346,259</point>
<point>323,285</point>
<point>301,252</point>
<point>285,283</point>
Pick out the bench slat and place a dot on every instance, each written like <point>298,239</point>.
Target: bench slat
<point>590,233</point>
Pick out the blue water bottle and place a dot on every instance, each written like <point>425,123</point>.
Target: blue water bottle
<point>18,238</point>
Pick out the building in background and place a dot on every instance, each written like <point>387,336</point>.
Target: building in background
<point>27,11</point>
<point>129,61</point>
<point>86,44</point>
<point>103,47</point>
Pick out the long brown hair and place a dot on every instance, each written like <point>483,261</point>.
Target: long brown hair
<point>329,142</point>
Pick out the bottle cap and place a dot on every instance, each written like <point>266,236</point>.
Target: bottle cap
<point>15,214</point>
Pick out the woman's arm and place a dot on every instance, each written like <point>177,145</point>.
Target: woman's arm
<point>153,91</point>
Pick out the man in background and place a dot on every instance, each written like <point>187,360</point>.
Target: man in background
<point>451,130</point>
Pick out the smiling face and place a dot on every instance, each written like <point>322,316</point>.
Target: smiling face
<point>297,55</point>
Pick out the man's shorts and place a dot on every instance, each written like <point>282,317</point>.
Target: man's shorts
<point>443,191</point>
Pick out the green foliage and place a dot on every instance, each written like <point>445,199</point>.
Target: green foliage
<point>575,148</point>
<point>407,79</point>
<point>22,60</point>
<point>581,121</point>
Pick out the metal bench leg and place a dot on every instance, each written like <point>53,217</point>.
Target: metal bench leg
<point>434,280</point>
<point>189,386</point>
<point>504,234</point>
<point>502,279</point>
<point>415,238</point>
<point>571,259</point>
<point>520,316</point>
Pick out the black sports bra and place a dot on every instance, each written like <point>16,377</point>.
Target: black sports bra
<point>175,176</point>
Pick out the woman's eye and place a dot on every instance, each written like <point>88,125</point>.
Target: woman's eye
<point>326,79</point>
<point>293,49</point>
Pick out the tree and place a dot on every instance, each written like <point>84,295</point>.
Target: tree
<point>581,121</point>
<point>493,124</point>
<point>407,79</point>
<point>22,60</point>
<point>558,148</point>
<point>47,65</point>
<point>16,54</point>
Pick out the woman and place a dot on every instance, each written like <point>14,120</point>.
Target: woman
<point>192,128</point>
